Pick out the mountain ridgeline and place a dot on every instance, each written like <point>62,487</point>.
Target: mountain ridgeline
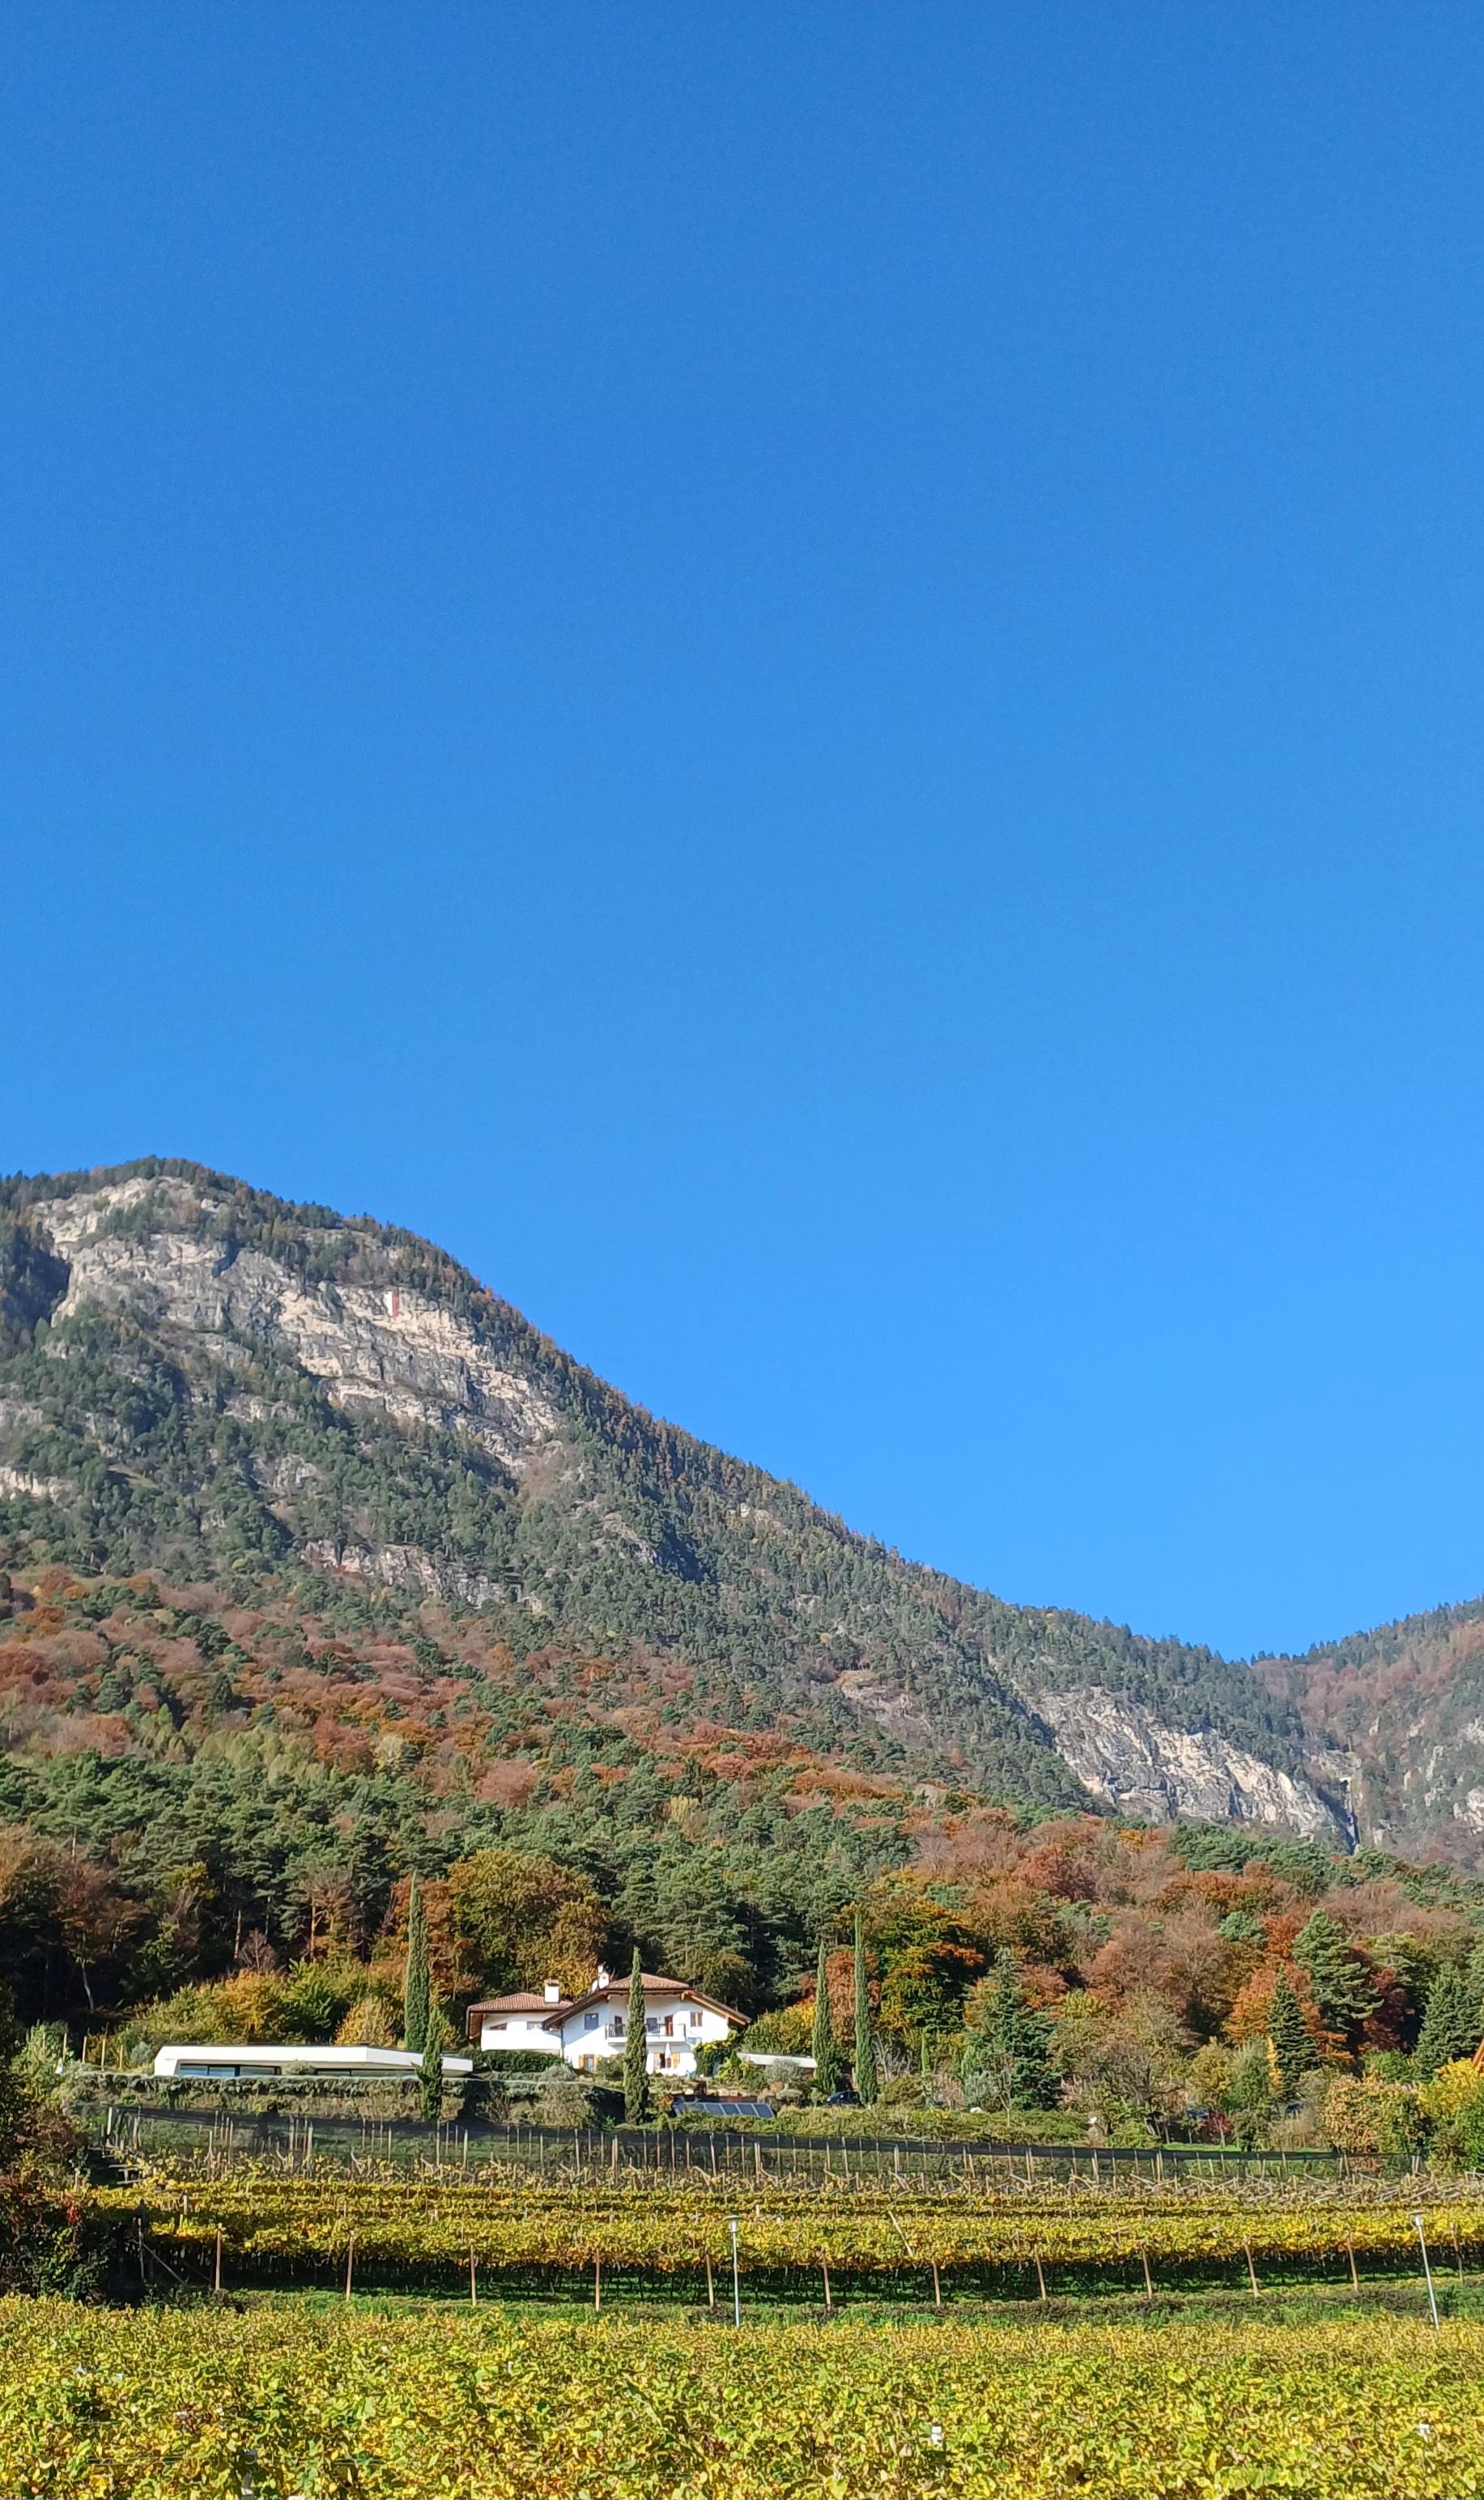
<point>204,1383</point>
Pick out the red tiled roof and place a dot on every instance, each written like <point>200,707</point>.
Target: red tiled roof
<point>524,2000</point>
<point>653,1985</point>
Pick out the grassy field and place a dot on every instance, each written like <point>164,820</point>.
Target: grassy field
<point>280,2398</point>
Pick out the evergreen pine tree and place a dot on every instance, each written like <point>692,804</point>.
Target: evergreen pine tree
<point>636,2050</point>
<point>1450,2023</point>
<point>1292,2047</point>
<point>822,2043</point>
<point>417,1979</point>
<point>1343,1992</point>
<point>865,2038</point>
<point>1009,2048</point>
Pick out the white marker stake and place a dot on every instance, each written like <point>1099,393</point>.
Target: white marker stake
<point>1426,2268</point>
<point>736,2285</point>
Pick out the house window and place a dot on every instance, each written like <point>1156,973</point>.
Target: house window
<point>652,2022</point>
<point>669,2026</point>
<point>590,2022</point>
<point>618,2027</point>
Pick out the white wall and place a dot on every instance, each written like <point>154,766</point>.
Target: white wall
<point>519,2031</point>
<point>600,2032</point>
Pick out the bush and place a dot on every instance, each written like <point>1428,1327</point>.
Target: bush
<point>1453,2105</point>
<point>53,2241</point>
<point>1364,2114</point>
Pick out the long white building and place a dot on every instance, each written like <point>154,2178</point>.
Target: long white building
<point>678,2021</point>
<point>238,2062</point>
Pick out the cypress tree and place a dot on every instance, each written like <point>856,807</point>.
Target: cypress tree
<point>822,2043</point>
<point>417,1978</point>
<point>430,2073</point>
<point>1292,2047</point>
<point>636,2050</point>
<point>865,2038</point>
<point>1450,2023</point>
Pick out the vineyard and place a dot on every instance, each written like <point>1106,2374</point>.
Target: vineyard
<point>256,2229</point>
<point>271,2401</point>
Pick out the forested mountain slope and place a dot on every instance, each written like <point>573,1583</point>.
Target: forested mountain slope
<point>1401,1712</point>
<point>202,1382</point>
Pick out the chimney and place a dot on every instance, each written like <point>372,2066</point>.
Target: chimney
<point>552,1993</point>
<point>605,1977</point>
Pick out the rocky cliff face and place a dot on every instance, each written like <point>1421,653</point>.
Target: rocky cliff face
<point>1154,1774</point>
<point>195,1376</point>
<point>382,1347</point>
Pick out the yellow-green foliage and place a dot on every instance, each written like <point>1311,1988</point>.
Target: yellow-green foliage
<point>137,2406</point>
<point>1368,2116</point>
<point>277,2228</point>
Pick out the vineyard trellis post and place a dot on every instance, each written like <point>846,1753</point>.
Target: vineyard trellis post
<point>736,2279</point>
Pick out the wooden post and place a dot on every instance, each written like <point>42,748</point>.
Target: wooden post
<point>825,2271</point>
<point>350,2262</point>
<point>1149,2280</point>
<point>613,2164</point>
<point>1041,2275</point>
<point>598,2283</point>
<point>1350,2254</point>
<point>473,2293</point>
<point>710,2281</point>
<point>1252,2270</point>
<point>216,2282</point>
<point>937,2287</point>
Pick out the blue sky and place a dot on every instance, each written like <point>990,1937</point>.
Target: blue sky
<point>809,679</point>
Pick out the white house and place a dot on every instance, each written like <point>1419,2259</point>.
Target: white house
<point>239,2064</point>
<point>678,2020</point>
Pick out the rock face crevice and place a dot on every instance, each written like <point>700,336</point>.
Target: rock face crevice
<point>1126,1758</point>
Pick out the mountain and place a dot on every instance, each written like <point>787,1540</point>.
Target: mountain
<point>1400,1713</point>
<point>201,1381</point>
<point>204,1382</point>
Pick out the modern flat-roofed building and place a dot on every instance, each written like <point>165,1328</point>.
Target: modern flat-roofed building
<point>224,2062</point>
